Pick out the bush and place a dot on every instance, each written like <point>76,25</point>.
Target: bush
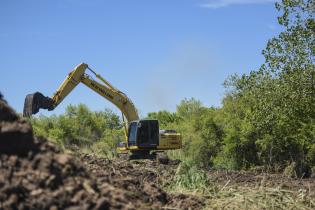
<point>98,130</point>
<point>189,177</point>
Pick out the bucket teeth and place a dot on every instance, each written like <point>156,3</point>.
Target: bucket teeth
<point>34,102</point>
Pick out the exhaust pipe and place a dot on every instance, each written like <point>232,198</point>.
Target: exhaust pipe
<point>34,102</point>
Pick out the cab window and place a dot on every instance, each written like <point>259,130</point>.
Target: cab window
<point>144,133</point>
<point>132,134</point>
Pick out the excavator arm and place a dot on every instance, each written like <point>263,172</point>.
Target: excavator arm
<point>36,101</point>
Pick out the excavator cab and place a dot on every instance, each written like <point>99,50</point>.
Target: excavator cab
<point>143,137</point>
<point>143,134</point>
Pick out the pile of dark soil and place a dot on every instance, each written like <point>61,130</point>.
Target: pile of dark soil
<point>34,174</point>
<point>141,177</point>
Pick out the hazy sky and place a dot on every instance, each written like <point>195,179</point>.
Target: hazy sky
<point>156,51</point>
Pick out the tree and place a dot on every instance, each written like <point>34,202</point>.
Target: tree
<point>276,107</point>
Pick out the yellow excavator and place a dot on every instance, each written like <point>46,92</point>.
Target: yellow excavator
<point>142,136</point>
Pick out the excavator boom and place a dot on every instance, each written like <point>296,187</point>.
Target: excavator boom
<point>36,101</point>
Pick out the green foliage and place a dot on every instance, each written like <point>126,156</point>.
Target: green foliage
<point>201,135</point>
<point>98,131</point>
<point>269,114</point>
<point>189,177</point>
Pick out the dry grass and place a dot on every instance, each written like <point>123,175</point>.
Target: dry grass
<point>259,198</point>
<point>240,190</point>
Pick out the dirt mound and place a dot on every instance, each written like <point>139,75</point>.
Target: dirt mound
<point>16,135</point>
<point>34,174</point>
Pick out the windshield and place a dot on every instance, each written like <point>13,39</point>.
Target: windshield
<point>132,134</point>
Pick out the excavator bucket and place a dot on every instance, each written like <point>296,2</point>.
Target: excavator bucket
<point>34,102</point>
